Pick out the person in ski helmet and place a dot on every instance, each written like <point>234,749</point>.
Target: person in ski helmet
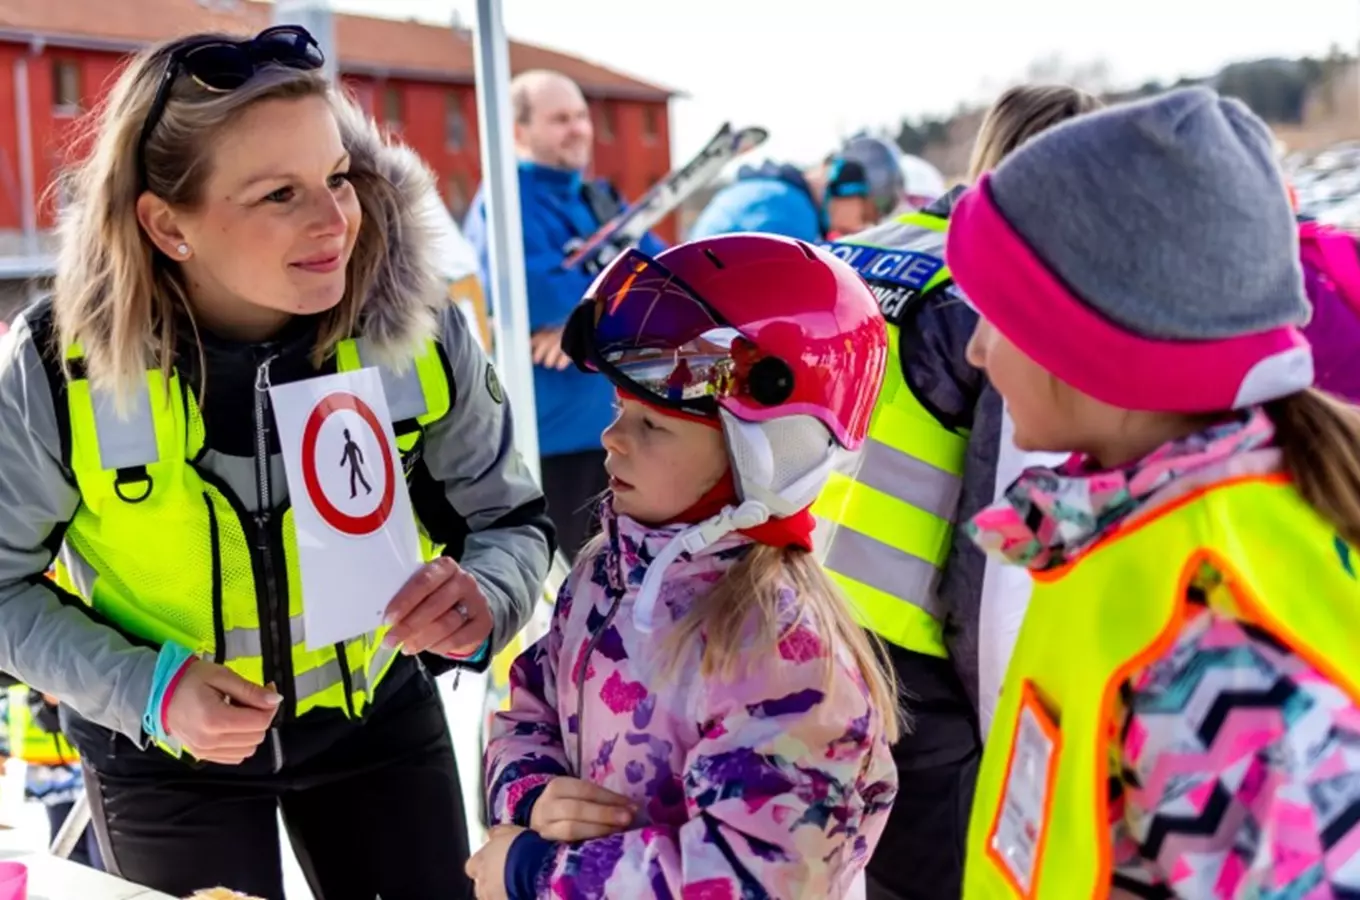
<point>881,162</point>
<point>756,712</point>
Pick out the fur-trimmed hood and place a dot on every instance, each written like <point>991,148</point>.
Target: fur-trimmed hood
<point>401,309</point>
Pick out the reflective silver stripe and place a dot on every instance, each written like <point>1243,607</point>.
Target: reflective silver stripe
<point>81,572</point>
<point>913,481</point>
<point>888,569</point>
<point>375,667</point>
<point>405,396</point>
<point>323,678</point>
<point>125,440</point>
<point>239,643</point>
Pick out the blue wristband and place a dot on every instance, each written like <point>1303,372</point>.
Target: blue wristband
<point>168,664</point>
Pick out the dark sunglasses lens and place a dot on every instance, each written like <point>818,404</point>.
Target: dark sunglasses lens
<point>222,67</point>
<point>288,47</point>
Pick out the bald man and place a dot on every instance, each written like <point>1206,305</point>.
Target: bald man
<point>554,138</point>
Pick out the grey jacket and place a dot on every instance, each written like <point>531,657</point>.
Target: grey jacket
<point>469,486</point>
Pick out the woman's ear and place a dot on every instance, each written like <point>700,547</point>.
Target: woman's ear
<point>160,223</point>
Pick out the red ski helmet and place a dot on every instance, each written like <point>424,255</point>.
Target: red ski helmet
<point>760,325</point>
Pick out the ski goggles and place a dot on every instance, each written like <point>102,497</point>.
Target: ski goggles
<point>654,337</point>
<point>221,66</point>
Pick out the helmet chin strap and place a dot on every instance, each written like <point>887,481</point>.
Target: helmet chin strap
<point>754,466</point>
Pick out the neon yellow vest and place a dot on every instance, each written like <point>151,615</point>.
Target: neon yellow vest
<point>29,741</point>
<point>1092,624</point>
<point>162,550</point>
<point>885,520</point>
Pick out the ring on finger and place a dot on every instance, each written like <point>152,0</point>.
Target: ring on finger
<point>462,610</point>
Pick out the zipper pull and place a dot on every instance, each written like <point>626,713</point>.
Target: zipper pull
<point>262,376</point>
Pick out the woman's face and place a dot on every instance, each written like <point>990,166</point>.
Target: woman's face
<point>277,223</point>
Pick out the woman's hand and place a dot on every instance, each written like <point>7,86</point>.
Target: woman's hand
<point>440,610</point>
<point>570,809</point>
<point>219,716</point>
<point>486,868</point>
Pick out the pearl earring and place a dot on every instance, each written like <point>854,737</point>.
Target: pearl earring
<point>182,249</point>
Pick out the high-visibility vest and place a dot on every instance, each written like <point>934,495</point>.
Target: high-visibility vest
<point>1040,825</point>
<point>162,549</point>
<point>29,741</point>
<point>886,516</point>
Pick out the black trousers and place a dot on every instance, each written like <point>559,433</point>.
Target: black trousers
<point>377,814</point>
<point>920,856</point>
<point>572,485</point>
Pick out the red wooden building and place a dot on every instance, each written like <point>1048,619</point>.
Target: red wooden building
<point>57,57</point>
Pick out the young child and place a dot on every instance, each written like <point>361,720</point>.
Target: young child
<point>1181,714</point>
<point>705,718</point>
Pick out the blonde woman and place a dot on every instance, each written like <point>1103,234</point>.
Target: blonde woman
<point>238,225</point>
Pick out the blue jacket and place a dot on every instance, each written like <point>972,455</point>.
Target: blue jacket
<point>774,199</point>
<point>573,407</point>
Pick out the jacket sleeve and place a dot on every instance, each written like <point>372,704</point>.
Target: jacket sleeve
<point>526,750</point>
<point>786,791</point>
<point>553,291</point>
<point>50,639</point>
<point>475,495</point>
<point>933,348</point>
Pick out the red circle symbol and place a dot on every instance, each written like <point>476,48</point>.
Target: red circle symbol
<point>358,526</point>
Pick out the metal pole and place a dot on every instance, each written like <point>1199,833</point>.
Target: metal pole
<point>23,115</point>
<point>505,239</point>
<point>315,16</point>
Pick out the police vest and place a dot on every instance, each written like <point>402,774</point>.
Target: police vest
<point>1040,820</point>
<point>885,518</point>
<point>161,548</point>
<point>29,741</point>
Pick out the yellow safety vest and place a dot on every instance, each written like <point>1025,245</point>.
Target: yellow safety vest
<point>886,517</point>
<point>1040,821</point>
<point>160,548</point>
<point>29,741</point>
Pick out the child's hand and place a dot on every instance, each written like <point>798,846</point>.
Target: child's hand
<point>486,868</point>
<point>570,809</point>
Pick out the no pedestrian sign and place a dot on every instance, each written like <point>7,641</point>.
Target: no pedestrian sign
<point>356,533</point>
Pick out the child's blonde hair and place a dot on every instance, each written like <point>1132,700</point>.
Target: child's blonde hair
<point>749,595</point>
<point>1021,113</point>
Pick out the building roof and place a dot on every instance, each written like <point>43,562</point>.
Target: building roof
<point>367,45</point>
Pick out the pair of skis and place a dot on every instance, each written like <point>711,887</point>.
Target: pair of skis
<point>627,228</point>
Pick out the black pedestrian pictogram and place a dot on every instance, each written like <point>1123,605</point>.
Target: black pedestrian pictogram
<point>354,458</point>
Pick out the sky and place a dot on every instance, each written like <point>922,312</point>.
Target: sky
<point>816,77</point>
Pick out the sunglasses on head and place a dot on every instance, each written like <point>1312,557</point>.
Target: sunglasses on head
<point>222,66</point>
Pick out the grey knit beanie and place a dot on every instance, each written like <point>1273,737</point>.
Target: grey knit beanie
<point>1169,216</point>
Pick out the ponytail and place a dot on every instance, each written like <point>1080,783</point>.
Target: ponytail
<point>1320,439</point>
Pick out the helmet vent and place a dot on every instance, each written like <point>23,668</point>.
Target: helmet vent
<point>713,258</point>
<point>807,251</point>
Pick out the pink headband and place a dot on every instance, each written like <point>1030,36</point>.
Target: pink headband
<point>1017,293</point>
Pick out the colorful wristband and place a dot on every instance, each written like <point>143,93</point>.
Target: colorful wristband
<point>171,664</point>
<point>475,657</point>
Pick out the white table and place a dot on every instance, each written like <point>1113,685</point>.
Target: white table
<point>50,878</point>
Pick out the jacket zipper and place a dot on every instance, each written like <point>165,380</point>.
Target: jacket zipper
<point>581,677</point>
<point>274,650</point>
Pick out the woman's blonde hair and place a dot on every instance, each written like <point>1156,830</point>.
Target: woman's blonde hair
<point>117,295</point>
<point>1319,437</point>
<point>1021,113</point>
<point>739,620</point>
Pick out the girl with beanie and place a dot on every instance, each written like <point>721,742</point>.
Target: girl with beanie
<point>1180,717</point>
<point>705,718</point>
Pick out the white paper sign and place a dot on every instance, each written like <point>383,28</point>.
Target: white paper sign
<point>356,533</point>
